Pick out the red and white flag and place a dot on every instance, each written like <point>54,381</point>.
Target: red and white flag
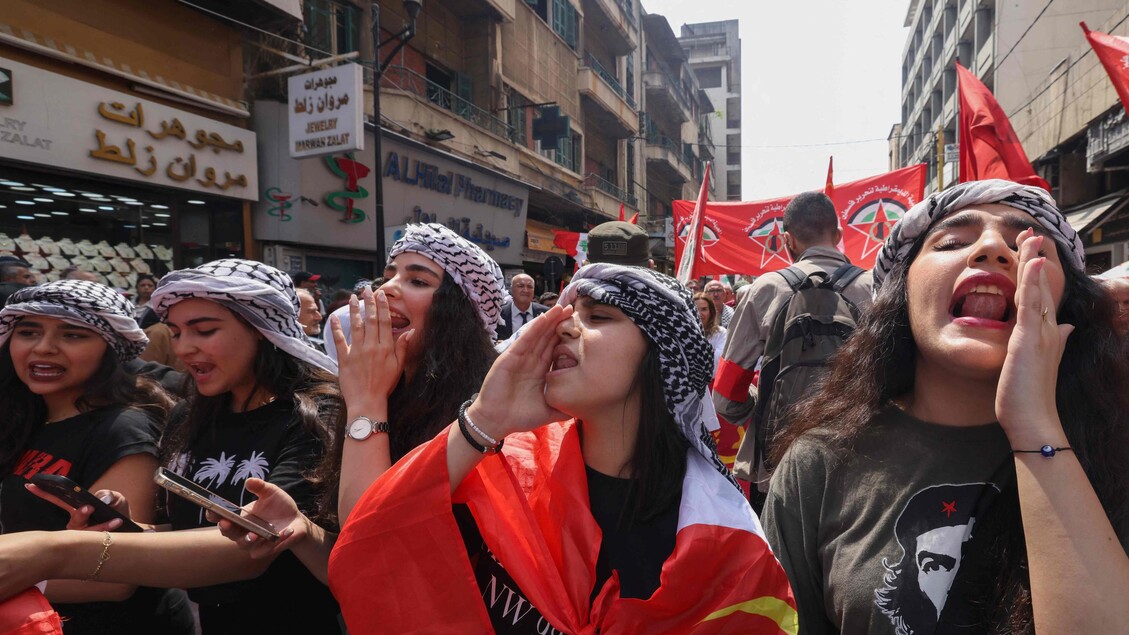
<point>989,147</point>
<point>530,505</point>
<point>868,209</point>
<point>1113,51</point>
<point>735,237</point>
<point>689,255</point>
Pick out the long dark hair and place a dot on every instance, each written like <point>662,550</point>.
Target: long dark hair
<point>876,365</point>
<point>714,324</point>
<point>658,460</point>
<point>109,386</point>
<point>315,393</point>
<point>455,352</point>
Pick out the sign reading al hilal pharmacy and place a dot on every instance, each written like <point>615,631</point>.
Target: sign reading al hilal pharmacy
<point>325,111</point>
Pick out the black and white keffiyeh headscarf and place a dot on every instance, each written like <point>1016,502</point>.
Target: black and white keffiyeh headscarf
<point>476,273</point>
<point>86,304</point>
<point>260,294</point>
<point>1025,198</point>
<point>664,310</point>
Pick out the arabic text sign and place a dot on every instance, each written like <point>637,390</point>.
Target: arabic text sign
<point>69,124</point>
<point>325,111</point>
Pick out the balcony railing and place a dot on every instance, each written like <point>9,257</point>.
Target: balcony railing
<point>595,180</point>
<point>608,78</point>
<point>407,80</point>
<point>673,84</point>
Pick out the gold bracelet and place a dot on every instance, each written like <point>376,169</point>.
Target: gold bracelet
<point>102,559</point>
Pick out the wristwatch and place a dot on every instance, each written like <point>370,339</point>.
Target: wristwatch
<point>362,428</point>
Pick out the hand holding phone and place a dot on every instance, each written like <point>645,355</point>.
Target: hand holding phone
<point>71,494</point>
<point>194,493</point>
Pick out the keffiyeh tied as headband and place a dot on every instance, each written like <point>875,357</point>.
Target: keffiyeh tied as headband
<point>477,274</point>
<point>86,304</point>
<point>258,293</point>
<point>1026,198</point>
<point>664,310</point>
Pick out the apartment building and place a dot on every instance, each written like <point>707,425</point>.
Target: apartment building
<point>713,50</point>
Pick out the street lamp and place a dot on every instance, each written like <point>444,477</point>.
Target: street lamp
<point>413,8</point>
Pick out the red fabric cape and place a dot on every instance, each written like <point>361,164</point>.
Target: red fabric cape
<point>400,564</point>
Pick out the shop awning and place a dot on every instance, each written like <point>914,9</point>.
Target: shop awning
<point>1086,217</point>
<point>154,84</point>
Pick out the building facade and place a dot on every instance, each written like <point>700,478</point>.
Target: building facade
<point>714,53</point>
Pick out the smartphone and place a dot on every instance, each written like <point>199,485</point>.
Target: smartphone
<point>70,492</point>
<point>192,491</point>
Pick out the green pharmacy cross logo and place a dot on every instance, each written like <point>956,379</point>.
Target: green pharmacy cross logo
<point>352,171</point>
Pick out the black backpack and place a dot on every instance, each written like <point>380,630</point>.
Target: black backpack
<point>809,328</point>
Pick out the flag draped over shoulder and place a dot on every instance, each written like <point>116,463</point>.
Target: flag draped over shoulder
<point>400,564</point>
<point>989,148</point>
<point>869,207</point>
<point>29,613</point>
<point>736,237</point>
<point>1113,51</point>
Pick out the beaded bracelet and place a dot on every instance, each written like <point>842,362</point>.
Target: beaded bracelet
<point>1047,451</point>
<point>102,559</point>
<point>465,422</point>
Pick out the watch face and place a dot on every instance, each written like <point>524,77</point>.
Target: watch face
<point>360,429</point>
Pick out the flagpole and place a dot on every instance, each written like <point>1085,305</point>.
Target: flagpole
<point>690,251</point>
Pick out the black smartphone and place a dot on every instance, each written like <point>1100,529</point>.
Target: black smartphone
<point>195,493</point>
<point>70,492</point>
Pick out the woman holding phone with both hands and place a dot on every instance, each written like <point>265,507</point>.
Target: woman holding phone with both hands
<point>263,404</point>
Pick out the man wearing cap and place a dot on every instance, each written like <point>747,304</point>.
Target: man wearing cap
<point>521,309</point>
<point>307,280</point>
<point>15,274</point>
<point>619,243</point>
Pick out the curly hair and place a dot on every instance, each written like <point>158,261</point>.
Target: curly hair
<point>876,365</point>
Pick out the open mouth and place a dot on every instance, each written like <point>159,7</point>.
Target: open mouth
<point>201,370</point>
<point>564,359</point>
<point>42,371</point>
<point>399,322</point>
<point>985,297</point>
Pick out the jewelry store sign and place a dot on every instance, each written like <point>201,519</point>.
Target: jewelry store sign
<point>66,123</point>
<point>325,112</point>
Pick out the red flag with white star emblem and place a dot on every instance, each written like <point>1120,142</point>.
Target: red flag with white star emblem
<point>869,207</point>
<point>1113,51</point>
<point>738,237</point>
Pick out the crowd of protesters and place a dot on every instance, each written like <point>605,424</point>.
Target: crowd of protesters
<point>449,456</point>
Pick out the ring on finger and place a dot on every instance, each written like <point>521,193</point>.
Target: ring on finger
<point>1044,314</point>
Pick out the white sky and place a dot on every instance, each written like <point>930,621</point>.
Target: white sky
<point>813,72</point>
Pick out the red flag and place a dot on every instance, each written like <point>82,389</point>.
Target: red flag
<point>1113,51</point>
<point>567,241</point>
<point>531,506</point>
<point>634,219</point>
<point>829,187</point>
<point>869,207</point>
<point>735,237</point>
<point>686,263</point>
<point>989,148</point>
<point>621,218</point>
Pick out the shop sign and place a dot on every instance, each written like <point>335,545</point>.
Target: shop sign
<point>65,123</point>
<point>1105,138</point>
<point>330,202</point>
<point>325,111</point>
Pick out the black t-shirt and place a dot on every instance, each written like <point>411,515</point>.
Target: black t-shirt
<point>82,448</point>
<point>273,444</point>
<point>637,551</point>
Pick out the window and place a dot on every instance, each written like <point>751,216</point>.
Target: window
<point>566,22</point>
<point>540,7</point>
<point>568,155</point>
<point>709,77</point>
<point>516,116</point>
<point>332,27</point>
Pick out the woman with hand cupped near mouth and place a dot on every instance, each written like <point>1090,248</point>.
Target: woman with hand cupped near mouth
<point>963,468</point>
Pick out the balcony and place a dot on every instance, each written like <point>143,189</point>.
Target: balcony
<point>613,22</point>
<point>602,188</point>
<point>467,9</point>
<point>667,158</point>
<point>615,109</point>
<point>665,92</point>
<point>404,79</point>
